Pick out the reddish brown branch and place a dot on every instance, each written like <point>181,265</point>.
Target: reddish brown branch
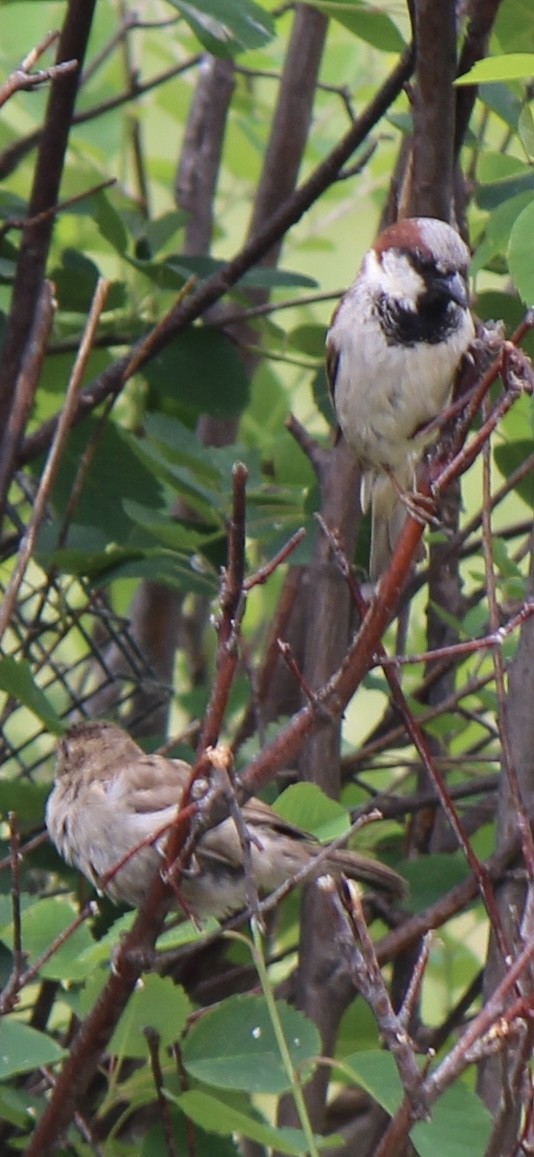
<point>264,573</point>
<point>232,608</point>
<point>423,748</point>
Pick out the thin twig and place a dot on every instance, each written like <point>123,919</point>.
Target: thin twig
<point>414,988</point>
<point>264,573</point>
<point>359,951</point>
<point>9,995</point>
<point>232,610</point>
<point>289,659</point>
<point>51,467</point>
<point>22,78</point>
<point>10,156</point>
<point>455,650</point>
<point>53,210</point>
<point>221,760</point>
<point>152,1039</point>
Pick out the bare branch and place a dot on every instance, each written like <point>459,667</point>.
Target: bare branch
<point>52,464</point>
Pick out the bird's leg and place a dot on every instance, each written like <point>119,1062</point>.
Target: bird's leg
<point>422,507</point>
<point>221,759</point>
<point>169,876</point>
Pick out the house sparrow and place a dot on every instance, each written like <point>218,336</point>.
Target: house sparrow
<point>394,344</point>
<point>109,796</point>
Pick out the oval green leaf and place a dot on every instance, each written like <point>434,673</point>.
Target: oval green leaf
<point>512,66</point>
<point>23,1049</point>
<point>521,254</point>
<point>234,1047</point>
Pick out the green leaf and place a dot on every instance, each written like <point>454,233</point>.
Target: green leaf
<point>162,230</point>
<point>514,25</point>
<point>512,66</point>
<point>201,370</point>
<point>309,339</point>
<point>263,277</point>
<point>16,678</point>
<point>307,807</point>
<point>495,194</point>
<point>509,456</point>
<point>502,557</point>
<point>495,167</point>
<point>521,254</point>
<point>227,27</point>
<point>42,922</point>
<point>180,572</point>
<point>460,1123</point>
<point>157,1003</point>
<point>430,877</point>
<point>234,1047</point>
<point>176,936</point>
<point>17,1106</point>
<point>460,1126</point>
<point>525,129</point>
<point>115,457</point>
<point>260,277</point>
<point>503,101</point>
<point>219,1117</point>
<point>365,22</point>
<point>323,400</point>
<point>170,532</point>
<point>23,1049</point>
<point>110,223</point>
<point>182,446</point>
<point>376,1072</point>
<point>25,798</point>
<point>154,1143</point>
<point>75,282</point>
<point>497,231</point>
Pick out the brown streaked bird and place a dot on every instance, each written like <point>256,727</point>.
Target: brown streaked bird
<point>394,344</point>
<point>108,796</point>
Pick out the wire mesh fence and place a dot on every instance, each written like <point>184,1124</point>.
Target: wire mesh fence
<point>79,652</point>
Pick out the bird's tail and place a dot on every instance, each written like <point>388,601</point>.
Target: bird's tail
<point>387,520</point>
<point>367,871</point>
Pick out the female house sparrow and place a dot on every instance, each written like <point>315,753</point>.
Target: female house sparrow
<point>109,796</point>
<point>394,344</point>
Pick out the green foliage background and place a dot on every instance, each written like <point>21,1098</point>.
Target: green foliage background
<point>125,526</point>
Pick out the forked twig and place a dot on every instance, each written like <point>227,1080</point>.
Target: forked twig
<point>23,78</point>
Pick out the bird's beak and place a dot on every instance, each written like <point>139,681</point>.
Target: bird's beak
<point>453,286</point>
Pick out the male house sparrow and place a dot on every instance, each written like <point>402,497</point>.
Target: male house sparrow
<point>394,344</point>
<point>109,796</point>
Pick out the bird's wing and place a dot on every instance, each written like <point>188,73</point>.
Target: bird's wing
<point>260,814</point>
<point>155,784</point>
